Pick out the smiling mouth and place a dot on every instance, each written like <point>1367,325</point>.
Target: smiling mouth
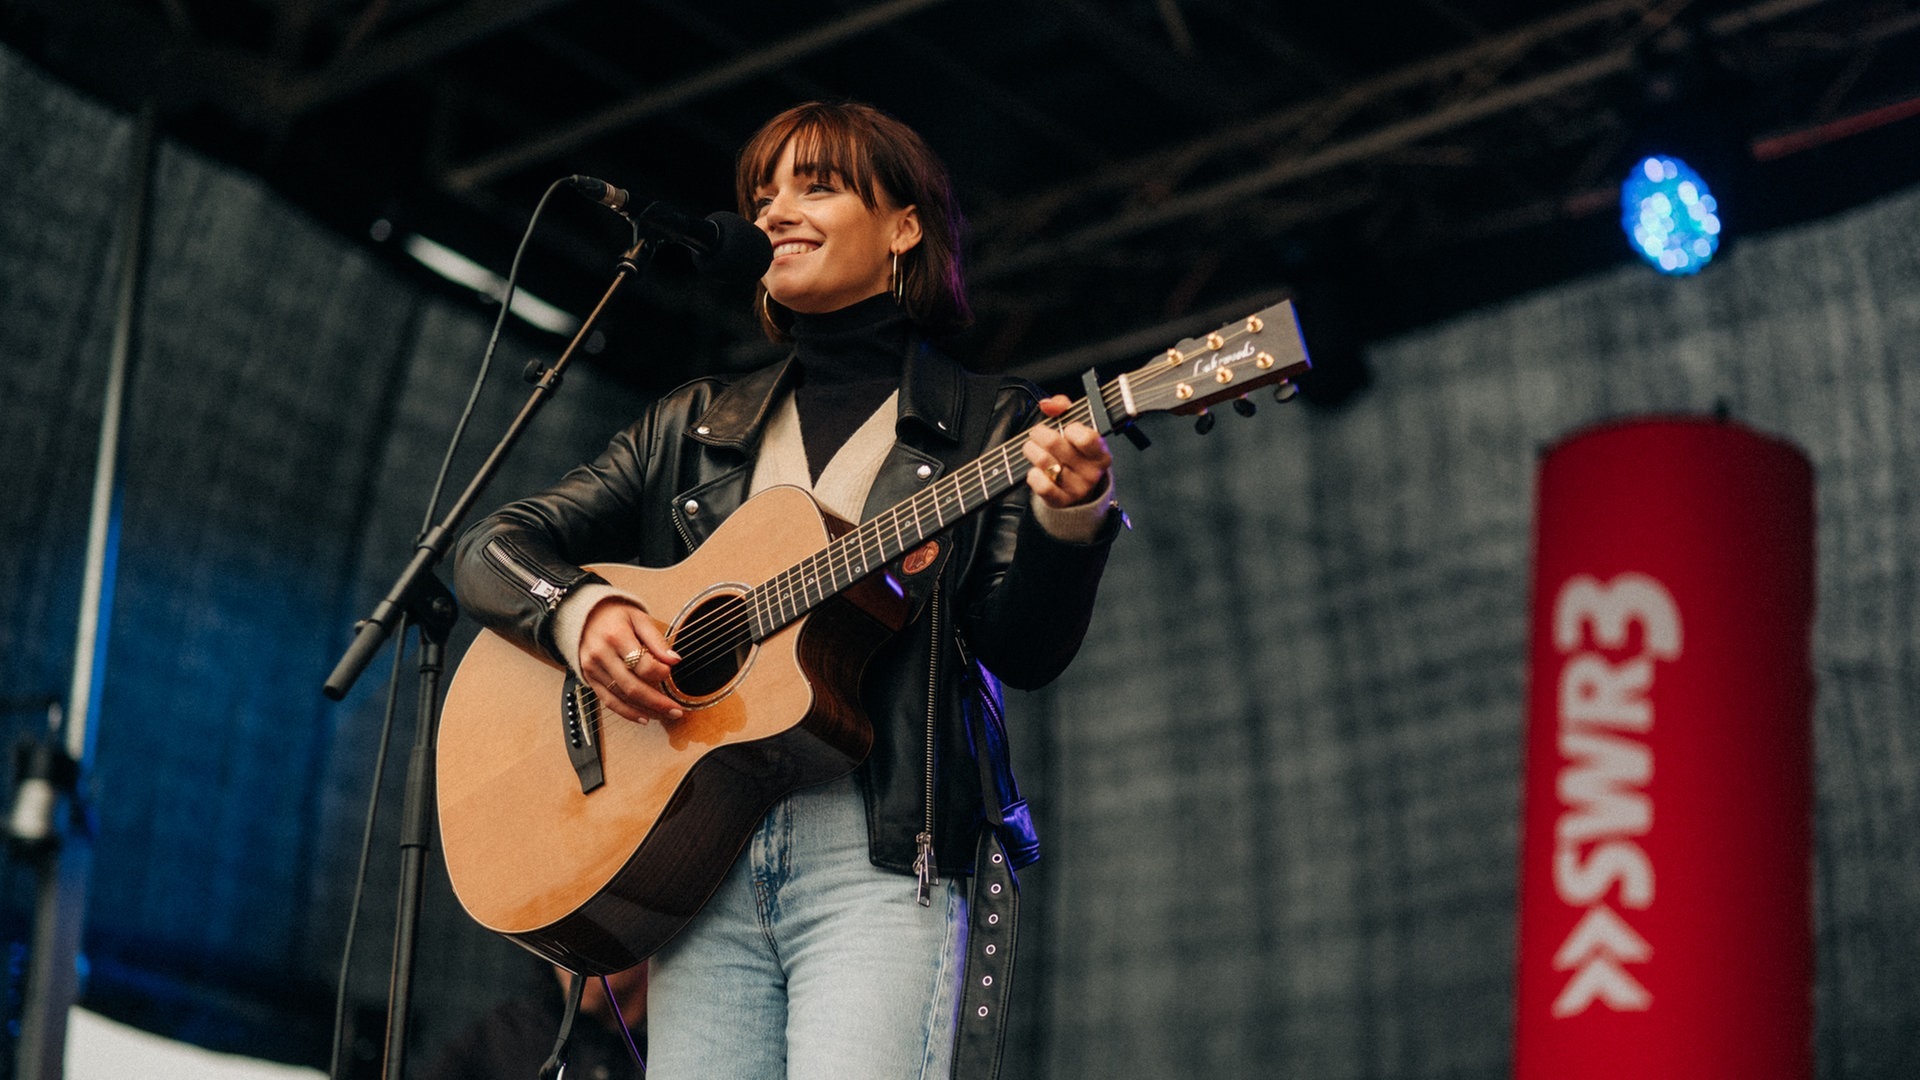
<point>792,247</point>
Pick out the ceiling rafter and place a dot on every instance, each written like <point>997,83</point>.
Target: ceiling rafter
<point>383,57</point>
<point>689,17</point>
<point>1160,68</point>
<point>1382,94</point>
<point>999,97</point>
<point>1631,22</point>
<point>1357,149</point>
<point>490,167</point>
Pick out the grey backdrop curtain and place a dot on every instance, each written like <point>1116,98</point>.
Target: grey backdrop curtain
<point>1279,788</point>
<point>290,403</point>
<point>1283,777</point>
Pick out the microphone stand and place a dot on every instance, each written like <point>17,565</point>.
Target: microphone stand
<point>419,597</point>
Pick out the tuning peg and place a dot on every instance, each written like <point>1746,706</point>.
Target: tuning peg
<point>1286,391</point>
<point>1242,406</point>
<point>1204,422</point>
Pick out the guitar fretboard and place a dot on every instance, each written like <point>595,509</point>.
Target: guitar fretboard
<point>1224,364</point>
<point>799,589</point>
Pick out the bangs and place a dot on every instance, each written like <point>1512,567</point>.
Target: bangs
<point>824,143</point>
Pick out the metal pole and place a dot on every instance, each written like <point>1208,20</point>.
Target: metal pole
<point>52,981</point>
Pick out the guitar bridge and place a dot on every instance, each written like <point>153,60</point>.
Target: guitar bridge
<point>580,720</point>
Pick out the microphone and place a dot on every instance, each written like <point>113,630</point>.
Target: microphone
<point>725,245</point>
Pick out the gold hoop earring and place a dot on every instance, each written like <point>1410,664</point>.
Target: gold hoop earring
<point>899,282</point>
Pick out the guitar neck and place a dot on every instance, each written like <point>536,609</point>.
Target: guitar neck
<point>1263,349</point>
<point>805,585</point>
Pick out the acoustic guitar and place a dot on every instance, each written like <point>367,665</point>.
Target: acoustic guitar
<point>593,841</point>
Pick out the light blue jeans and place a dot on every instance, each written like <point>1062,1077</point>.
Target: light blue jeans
<point>810,963</point>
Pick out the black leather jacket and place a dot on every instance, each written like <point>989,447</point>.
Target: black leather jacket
<point>665,483</point>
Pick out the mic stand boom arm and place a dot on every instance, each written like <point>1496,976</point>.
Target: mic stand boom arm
<point>372,632</point>
<point>419,596</point>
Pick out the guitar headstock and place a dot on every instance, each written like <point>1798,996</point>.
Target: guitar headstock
<point>1260,350</point>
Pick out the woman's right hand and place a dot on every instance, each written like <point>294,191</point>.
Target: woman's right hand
<point>624,656</point>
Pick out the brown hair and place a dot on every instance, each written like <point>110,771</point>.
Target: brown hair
<point>885,162</point>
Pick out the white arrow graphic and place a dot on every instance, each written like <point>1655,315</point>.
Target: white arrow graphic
<point>1597,946</point>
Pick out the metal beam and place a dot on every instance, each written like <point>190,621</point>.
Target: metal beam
<point>1372,144</point>
<point>629,112</point>
<point>1343,102</point>
<point>1162,69</point>
<point>408,49</point>
<point>1163,167</point>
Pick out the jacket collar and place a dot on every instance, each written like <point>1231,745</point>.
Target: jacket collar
<point>740,409</point>
<point>932,392</point>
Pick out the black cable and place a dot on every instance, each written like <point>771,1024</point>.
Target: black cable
<point>486,358</point>
<point>393,681</point>
<point>366,853</point>
<point>620,1018</point>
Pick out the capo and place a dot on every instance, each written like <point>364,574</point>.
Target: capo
<point>1102,420</point>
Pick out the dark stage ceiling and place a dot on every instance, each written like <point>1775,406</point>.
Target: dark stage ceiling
<point>1131,169</point>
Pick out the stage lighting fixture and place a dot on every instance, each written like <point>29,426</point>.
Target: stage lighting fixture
<point>1669,215</point>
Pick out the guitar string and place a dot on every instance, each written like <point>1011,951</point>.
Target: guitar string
<point>794,591</point>
<point>718,632</point>
<point>732,629</point>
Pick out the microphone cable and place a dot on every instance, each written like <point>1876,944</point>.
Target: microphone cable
<point>393,681</point>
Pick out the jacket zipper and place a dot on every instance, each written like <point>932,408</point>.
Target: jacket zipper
<point>547,592</point>
<point>925,873</point>
<point>680,527</point>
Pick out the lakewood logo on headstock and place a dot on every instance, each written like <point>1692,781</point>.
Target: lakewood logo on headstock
<point>1208,365</point>
<point>921,557</point>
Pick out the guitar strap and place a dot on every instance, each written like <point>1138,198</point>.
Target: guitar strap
<point>987,991</point>
<point>986,988</point>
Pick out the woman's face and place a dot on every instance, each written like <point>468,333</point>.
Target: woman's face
<point>829,249</point>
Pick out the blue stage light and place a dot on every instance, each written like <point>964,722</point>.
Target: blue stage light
<point>1668,213</point>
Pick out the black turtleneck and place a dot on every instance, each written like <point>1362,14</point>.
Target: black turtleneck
<point>849,360</point>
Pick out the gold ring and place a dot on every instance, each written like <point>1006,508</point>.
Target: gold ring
<point>1053,472</point>
<point>632,659</point>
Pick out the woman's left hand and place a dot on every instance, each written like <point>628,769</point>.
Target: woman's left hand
<point>1069,464</point>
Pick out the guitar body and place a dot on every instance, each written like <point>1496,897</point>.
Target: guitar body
<point>598,880</point>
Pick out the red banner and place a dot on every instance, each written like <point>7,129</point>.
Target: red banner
<point>1665,893</point>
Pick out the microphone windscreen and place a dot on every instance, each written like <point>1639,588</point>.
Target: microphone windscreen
<point>742,254</point>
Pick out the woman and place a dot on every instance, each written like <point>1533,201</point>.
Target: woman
<point>834,947</point>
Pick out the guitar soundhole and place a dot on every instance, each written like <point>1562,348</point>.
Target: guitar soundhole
<point>714,644</point>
